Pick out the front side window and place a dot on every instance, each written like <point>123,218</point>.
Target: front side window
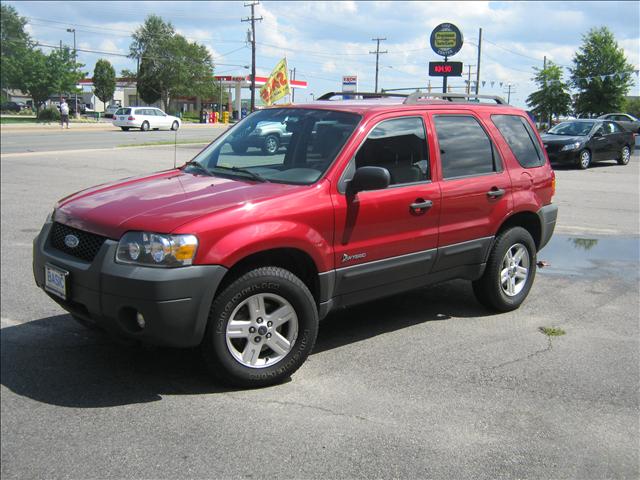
<point>611,128</point>
<point>465,148</point>
<point>284,145</point>
<point>520,138</point>
<point>400,146</point>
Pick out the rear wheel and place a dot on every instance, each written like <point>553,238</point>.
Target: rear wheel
<point>584,159</point>
<point>145,126</point>
<point>261,329</point>
<point>126,129</point>
<point>175,125</point>
<point>510,271</point>
<point>271,145</point>
<point>625,155</point>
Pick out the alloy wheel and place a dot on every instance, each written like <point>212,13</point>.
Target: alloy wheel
<point>515,270</point>
<point>262,330</point>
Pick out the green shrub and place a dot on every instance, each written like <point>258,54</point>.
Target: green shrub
<point>49,114</point>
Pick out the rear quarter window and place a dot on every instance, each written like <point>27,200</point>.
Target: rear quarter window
<point>521,139</point>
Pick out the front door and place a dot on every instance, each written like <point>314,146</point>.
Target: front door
<point>389,235</point>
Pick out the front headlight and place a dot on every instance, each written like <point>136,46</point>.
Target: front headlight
<point>571,146</point>
<point>156,250</point>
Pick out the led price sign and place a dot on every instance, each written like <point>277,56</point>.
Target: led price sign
<point>445,69</point>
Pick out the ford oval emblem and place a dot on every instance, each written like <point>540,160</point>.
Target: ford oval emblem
<point>71,241</point>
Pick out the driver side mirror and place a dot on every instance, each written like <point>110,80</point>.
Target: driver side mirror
<point>369,178</point>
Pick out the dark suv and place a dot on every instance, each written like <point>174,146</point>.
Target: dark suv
<point>242,252</point>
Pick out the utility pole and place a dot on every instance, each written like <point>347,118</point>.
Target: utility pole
<point>469,78</point>
<point>509,92</point>
<point>75,60</point>
<point>292,76</point>
<point>478,66</point>
<point>377,52</point>
<point>253,19</point>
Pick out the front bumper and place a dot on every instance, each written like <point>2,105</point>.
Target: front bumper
<point>568,156</point>
<point>175,302</point>
<point>548,216</point>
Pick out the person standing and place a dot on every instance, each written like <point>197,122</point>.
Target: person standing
<point>64,113</point>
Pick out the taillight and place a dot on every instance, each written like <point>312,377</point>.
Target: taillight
<point>131,118</point>
<point>553,185</point>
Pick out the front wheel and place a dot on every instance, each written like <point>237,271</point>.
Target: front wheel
<point>584,159</point>
<point>510,271</point>
<point>625,155</point>
<point>261,329</point>
<point>175,125</point>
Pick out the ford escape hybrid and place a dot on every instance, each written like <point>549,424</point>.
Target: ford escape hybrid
<point>242,251</point>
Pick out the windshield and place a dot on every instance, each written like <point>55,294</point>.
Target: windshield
<point>284,145</point>
<point>572,128</point>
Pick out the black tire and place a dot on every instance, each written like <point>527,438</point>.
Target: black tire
<point>584,159</point>
<point>271,144</point>
<point>267,280</point>
<point>625,155</point>
<point>239,148</point>
<point>175,125</point>
<point>86,324</point>
<point>125,129</point>
<point>144,127</point>
<point>489,289</point>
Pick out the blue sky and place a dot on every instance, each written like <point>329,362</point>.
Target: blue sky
<point>325,40</point>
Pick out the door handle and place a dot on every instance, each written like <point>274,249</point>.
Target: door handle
<point>495,192</point>
<point>421,205</point>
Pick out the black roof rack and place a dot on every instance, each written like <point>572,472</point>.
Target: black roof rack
<point>362,95</point>
<point>415,97</point>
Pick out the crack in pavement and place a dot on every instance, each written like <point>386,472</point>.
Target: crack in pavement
<point>548,348</point>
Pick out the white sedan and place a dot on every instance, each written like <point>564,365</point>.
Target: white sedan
<point>144,118</point>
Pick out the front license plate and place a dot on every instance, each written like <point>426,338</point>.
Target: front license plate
<point>55,281</point>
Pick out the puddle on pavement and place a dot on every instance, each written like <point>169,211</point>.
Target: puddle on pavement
<point>591,255</point>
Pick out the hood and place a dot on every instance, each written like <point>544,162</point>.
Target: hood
<point>562,139</point>
<point>159,203</point>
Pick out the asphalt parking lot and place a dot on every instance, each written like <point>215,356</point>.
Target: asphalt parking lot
<point>427,384</point>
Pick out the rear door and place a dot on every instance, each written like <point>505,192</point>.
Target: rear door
<point>389,235</point>
<point>476,189</point>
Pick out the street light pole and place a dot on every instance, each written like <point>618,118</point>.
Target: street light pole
<point>75,61</point>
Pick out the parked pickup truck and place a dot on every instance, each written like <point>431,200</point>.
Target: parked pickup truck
<point>242,252</point>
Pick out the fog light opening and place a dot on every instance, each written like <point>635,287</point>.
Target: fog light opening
<point>140,320</point>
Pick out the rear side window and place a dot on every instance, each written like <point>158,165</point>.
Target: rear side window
<point>520,138</point>
<point>465,148</point>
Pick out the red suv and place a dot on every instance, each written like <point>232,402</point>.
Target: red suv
<point>243,251</point>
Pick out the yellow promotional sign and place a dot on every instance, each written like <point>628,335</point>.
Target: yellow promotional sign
<point>277,85</point>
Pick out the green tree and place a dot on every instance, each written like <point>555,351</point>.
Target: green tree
<point>45,75</point>
<point>632,106</point>
<point>601,73</point>
<point>170,65</point>
<point>15,43</point>
<point>552,96</point>
<point>104,80</point>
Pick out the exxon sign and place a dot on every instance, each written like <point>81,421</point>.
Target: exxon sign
<point>349,84</point>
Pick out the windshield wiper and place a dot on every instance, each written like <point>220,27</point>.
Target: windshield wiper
<point>254,175</point>
<point>199,167</point>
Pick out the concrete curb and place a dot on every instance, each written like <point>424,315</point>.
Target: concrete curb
<point>16,127</point>
<point>89,150</point>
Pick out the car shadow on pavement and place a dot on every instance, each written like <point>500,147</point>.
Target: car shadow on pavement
<point>56,361</point>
